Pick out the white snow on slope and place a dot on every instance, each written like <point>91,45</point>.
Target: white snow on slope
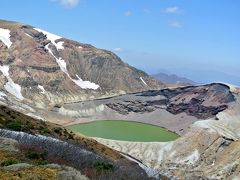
<point>79,82</point>
<point>5,37</point>
<point>52,38</point>
<point>2,95</point>
<point>13,88</point>
<point>36,116</point>
<point>28,35</point>
<point>60,45</point>
<point>61,63</point>
<point>143,81</point>
<point>85,84</point>
<point>10,86</point>
<point>42,88</point>
<point>4,70</point>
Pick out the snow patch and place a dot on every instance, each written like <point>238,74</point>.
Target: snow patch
<point>36,116</point>
<point>42,88</point>
<point>52,38</point>
<point>60,45</point>
<point>143,81</point>
<point>79,82</point>
<point>2,95</point>
<point>85,84</point>
<point>5,37</point>
<point>61,63</point>
<point>10,86</point>
<point>80,47</point>
<point>14,89</point>
<point>28,35</point>
<point>4,70</point>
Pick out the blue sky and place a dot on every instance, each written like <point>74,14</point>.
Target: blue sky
<point>197,39</point>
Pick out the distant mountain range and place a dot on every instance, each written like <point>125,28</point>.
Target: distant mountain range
<point>173,79</point>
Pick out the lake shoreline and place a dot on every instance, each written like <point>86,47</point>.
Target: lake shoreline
<point>134,131</point>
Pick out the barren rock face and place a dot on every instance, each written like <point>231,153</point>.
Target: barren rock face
<point>51,69</point>
<point>203,102</point>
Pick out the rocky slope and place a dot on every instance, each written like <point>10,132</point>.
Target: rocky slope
<point>43,68</point>
<point>14,168</point>
<point>35,146</point>
<point>202,101</point>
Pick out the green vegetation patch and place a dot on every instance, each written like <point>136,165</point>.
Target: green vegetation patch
<point>125,130</point>
<point>33,154</point>
<point>15,125</point>
<point>103,166</point>
<point>18,125</point>
<point>10,162</point>
<point>42,162</point>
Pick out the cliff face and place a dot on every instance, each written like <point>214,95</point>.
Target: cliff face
<point>47,68</point>
<point>201,102</point>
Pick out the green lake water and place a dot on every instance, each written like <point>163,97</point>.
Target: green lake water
<point>124,130</point>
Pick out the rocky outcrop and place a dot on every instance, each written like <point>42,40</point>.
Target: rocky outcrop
<point>50,172</point>
<point>9,152</point>
<point>68,71</point>
<point>194,108</point>
<point>203,102</point>
<point>131,106</point>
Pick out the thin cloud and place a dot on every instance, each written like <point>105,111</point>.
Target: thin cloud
<point>147,11</point>
<point>172,10</point>
<point>127,13</point>
<point>175,24</point>
<point>118,49</point>
<point>67,3</point>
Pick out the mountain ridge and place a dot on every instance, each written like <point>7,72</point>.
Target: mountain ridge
<point>65,70</point>
<point>173,79</point>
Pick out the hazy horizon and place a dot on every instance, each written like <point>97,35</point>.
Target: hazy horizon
<point>195,39</point>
